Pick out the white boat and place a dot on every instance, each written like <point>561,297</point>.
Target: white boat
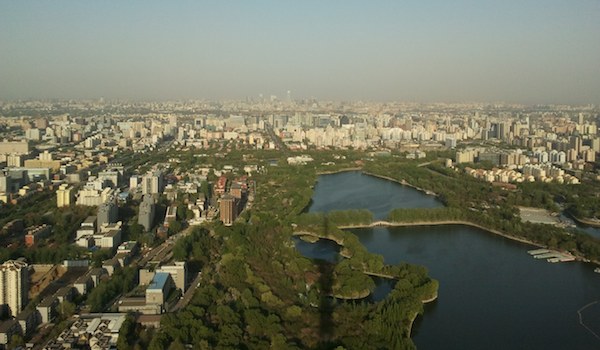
<point>597,270</point>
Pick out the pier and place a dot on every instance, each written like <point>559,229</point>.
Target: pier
<point>551,255</point>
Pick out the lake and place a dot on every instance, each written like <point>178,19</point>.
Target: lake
<point>354,190</point>
<point>492,293</point>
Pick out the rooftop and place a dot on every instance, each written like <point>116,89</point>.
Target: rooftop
<point>159,281</point>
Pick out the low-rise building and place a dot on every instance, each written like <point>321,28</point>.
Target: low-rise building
<point>47,309</point>
<point>28,320</point>
<point>91,331</point>
<point>66,293</point>
<point>109,236</point>
<point>8,328</point>
<point>35,233</point>
<point>178,273</point>
<point>138,305</point>
<point>83,284</point>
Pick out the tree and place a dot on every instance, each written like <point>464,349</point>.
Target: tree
<point>15,341</point>
<point>183,213</point>
<point>174,227</point>
<point>126,333</point>
<point>66,309</point>
<point>176,345</point>
<point>135,230</point>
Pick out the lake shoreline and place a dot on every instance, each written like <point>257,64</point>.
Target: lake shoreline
<point>343,170</point>
<point>441,223</point>
<point>585,221</point>
<point>402,182</point>
<point>415,223</point>
<point>416,314</point>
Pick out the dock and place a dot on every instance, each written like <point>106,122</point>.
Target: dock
<point>538,251</point>
<point>551,255</point>
<point>564,258</point>
<point>546,255</point>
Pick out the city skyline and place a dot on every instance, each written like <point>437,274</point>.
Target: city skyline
<point>533,53</point>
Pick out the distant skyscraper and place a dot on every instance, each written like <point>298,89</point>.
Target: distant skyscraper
<point>41,123</point>
<point>575,143</point>
<point>14,286</point>
<point>173,120</point>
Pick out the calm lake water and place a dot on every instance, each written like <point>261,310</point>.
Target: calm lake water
<point>592,231</point>
<point>354,190</point>
<point>493,295</point>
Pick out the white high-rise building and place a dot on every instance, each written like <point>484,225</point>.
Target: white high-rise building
<point>14,286</point>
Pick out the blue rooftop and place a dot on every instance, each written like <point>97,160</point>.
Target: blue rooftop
<point>159,280</point>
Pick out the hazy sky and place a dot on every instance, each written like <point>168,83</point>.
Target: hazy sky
<point>536,51</point>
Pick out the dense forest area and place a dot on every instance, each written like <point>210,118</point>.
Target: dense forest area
<point>263,294</point>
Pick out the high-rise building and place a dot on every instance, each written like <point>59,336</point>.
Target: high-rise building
<point>14,160</point>
<point>65,195</point>
<point>41,123</point>
<point>589,155</point>
<point>108,213</point>
<point>14,286</point>
<point>153,183</point>
<point>33,134</point>
<point>575,143</point>
<point>228,209</point>
<point>146,213</point>
<point>173,120</point>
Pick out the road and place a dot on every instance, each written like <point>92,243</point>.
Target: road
<point>280,145</point>
<point>188,293</point>
<point>164,252</point>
